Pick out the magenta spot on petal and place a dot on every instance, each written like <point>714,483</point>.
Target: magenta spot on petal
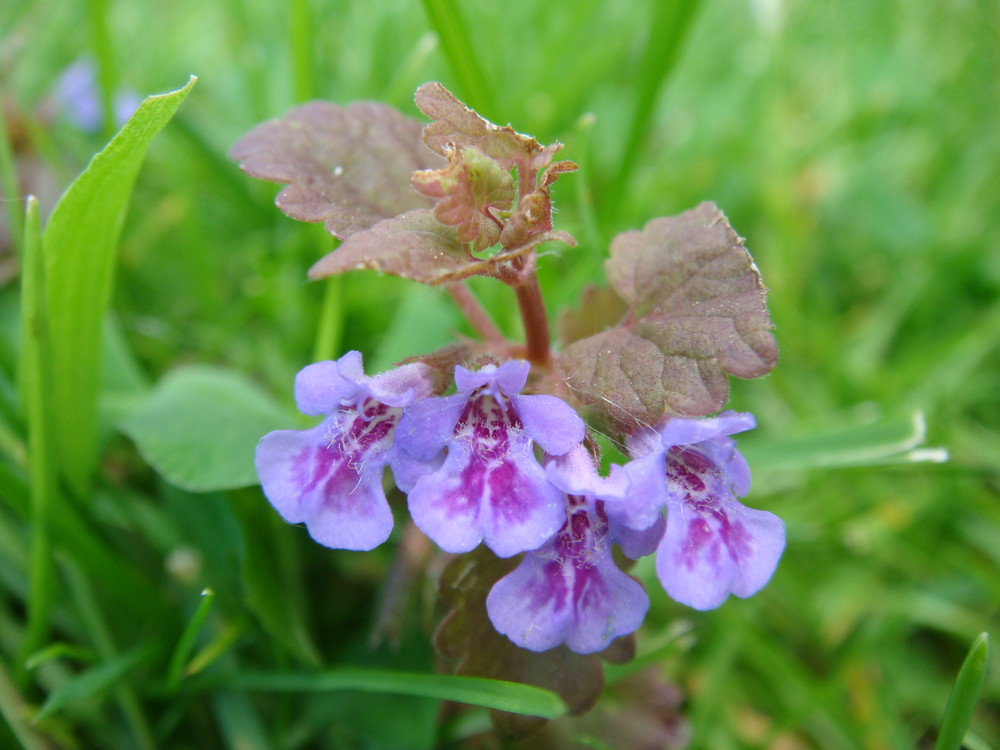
<point>737,539</point>
<point>322,460</point>
<point>510,495</point>
<point>554,587</point>
<point>465,500</point>
<point>699,536</point>
<point>357,438</point>
<point>582,541</point>
<point>488,429</point>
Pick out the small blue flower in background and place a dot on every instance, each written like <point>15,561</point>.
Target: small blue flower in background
<point>490,487</point>
<point>570,591</point>
<point>78,98</point>
<point>713,545</point>
<point>330,477</point>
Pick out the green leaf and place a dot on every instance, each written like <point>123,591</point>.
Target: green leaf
<point>79,249</point>
<point>272,577</point>
<point>94,680</point>
<point>446,19</point>
<point>964,695</point>
<point>472,191</point>
<point>59,650</point>
<point>35,384</point>
<point>498,694</point>
<point>187,639</point>
<point>890,441</point>
<point>239,722</point>
<point>199,427</point>
<point>423,320</point>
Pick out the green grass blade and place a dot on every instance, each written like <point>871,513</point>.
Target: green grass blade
<point>239,723</point>
<point>35,389</point>
<point>300,48</point>
<point>671,20</point>
<point>14,709</point>
<point>107,72</point>
<point>94,680</point>
<point>964,695</point>
<point>187,639</point>
<point>114,665</point>
<point>473,88</point>
<point>79,248</point>
<point>331,321</point>
<point>499,694</point>
<point>59,650</point>
<point>891,441</point>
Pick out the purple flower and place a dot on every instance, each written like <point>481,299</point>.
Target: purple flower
<point>570,591</point>
<point>490,486</point>
<point>713,545</point>
<point>77,95</point>
<point>330,477</point>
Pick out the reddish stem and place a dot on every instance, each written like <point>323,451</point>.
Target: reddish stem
<point>475,313</point>
<point>536,321</point>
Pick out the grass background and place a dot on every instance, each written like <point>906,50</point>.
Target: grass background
<point>854,145</point>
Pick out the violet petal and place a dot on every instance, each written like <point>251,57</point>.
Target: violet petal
<point>569,591</point>
<point>709,553</point>
<point>320,387</point>
<point>551,422</point>
<point>428,425</point>
<point>307,478</point>
<point>474,497</point>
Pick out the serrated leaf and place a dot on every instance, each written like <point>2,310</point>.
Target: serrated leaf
<point>473,192</point>
<point>467,637</point>
<point>417,246</point>
<point>456,126</point>
<point>461,135</point>
<point>599,309</point>
<point>348,167</point>
<point>79,246</point>
<point>696,311</point>
<point>200,425</point>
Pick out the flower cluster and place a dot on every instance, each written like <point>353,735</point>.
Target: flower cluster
<point>488,438</point>
<point>488,464</point>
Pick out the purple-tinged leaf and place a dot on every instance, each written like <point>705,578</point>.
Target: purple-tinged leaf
<point>475,192</point>
<point>348,167</point>
<point>467,637</point>
<point>413,245</point>
<point>417,246</point>
<point>696,311</point>
<point>534,210</point>
<point>490,153</point>
<point>599,309</point>
<point>643,710</point>
<point>457,126</point>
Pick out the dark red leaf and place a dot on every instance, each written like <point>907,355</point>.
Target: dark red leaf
<point>696,311</point>
<point>348,167</point>
<point>417,246</point>
<point>466,638</point>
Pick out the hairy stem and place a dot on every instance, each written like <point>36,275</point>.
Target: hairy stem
<point>475,312</point>
<point>536,321</point>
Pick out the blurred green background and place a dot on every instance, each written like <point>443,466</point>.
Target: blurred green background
<point>855,145</point>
